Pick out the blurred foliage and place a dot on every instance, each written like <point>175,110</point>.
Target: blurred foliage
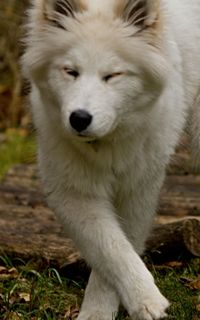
<point>12,17</point>
<point>16,146</point>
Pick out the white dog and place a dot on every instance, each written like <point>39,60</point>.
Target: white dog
<point>112,81</point>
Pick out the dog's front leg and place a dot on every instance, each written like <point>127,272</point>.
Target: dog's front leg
<point>93,225</point>
<point>100,302</point>
<point>137,207</point>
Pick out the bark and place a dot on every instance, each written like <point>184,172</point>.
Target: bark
<point>175,240</point>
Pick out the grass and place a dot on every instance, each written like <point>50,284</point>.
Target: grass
<point>176,285</point>
<point>29,292</point>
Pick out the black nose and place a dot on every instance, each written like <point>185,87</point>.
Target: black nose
<point>80,120</point>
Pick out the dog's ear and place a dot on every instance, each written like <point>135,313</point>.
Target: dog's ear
<point>67,8</point>
<point>141,13</point>
<point>54,10</point>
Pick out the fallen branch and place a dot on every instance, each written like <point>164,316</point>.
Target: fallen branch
<point>173,240</point>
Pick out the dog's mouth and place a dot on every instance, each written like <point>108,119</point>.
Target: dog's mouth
<point>86,138</point>
<point>90,141</point>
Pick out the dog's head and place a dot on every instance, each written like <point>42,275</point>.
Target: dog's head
<point>96,64</point>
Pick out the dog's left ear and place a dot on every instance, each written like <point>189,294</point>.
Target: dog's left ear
<point>141,13</point>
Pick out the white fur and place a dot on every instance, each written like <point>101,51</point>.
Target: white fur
<point>105,185</point>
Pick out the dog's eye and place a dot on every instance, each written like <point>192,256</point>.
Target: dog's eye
<point>111,76</point>
<point>71,72</point>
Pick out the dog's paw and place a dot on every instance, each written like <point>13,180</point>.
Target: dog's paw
<point>153,308</point>
<point>95,315</point>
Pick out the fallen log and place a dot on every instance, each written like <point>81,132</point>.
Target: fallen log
<point>180,196</point>
<point>167,242</point>
<point>174,240</point>
<point>29,230</point>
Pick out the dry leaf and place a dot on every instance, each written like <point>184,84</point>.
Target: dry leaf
<point>72,313</point>
<point>175,264</point>
<point>14,316</point>
<point>6,274</point>
<point>3,269</point>
<point>193,284</point>
<point>25,296</point>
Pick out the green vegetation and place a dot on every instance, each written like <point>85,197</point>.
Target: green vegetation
<point>27,292</point>
<point>182,287</point>
<point>16,147</point>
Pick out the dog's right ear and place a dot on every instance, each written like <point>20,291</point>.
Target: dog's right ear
<point>53,11</point>
<point>63,7</point>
